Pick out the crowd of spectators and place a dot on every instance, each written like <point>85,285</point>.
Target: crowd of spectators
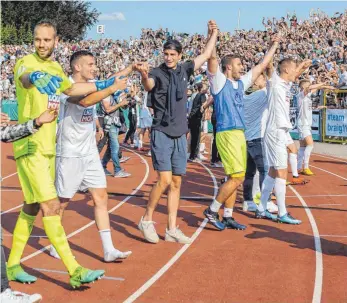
<point>320,37</point>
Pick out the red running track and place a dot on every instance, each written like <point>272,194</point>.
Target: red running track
<point>268,262</point>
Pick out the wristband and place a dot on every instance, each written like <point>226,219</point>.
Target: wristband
<point>36,126</point>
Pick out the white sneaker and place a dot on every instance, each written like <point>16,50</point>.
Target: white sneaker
<point>115,255</point>
<point>272,207</point>
<point>148,231</point>
<point>201,157</point>
<point>10,296</point>
<point>122,174</point>
<point>124,159</point>
<point>149,154</point>
<point>177,235</point>
<point>249,206</point>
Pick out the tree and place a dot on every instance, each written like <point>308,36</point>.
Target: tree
<point>9,34</point>
<point>72,18</point>
<point>21,37</point>
<point>29,35</point>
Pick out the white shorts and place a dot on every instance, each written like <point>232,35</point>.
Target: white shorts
<point>146,122</point>
<point>73,174</point>
<point>289,139</point>
<point>304,132</point>
<point>275,144</point>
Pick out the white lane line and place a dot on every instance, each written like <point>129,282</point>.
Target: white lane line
<point>110,211</point>
<point>329,172</point>
<point>184,206</point>
<point>66,273</point>
<point>10,189</point>
<point>31,236</point>
<point>337,159</point>
<point>318,283</point>
<point>9,176</point>
<point>9,210</point>
<point>334,236</point>
<point>172,261</point>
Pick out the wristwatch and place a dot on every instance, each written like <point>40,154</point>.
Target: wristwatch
<point>35,125</point>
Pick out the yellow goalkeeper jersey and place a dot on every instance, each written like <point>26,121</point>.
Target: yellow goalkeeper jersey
<point>31,104</point>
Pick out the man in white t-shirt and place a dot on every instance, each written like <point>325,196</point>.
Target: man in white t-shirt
<point>276,138</point>
<point>256,114</point>
<point>305,123</point>
<point>228,88</point>
<point>78,164</point>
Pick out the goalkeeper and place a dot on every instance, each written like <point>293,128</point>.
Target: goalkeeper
<point>39,82</point>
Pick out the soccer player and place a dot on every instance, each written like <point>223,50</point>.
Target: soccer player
<point>78,164</point>
<point>256,114</point>
<point>305,123</point>
<point>228,88</point>
<point>276,138</point>
<point>39,82</point>
<point>167,87</point>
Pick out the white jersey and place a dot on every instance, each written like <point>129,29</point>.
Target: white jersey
<point>256,114</point>
<point>305,110</point>
<point>279,96</point>
<point>76,129</point>
<point>217,81</point>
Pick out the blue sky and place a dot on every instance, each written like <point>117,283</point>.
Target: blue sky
<point>123,19</point>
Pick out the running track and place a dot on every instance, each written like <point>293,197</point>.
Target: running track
<point>268,262</point>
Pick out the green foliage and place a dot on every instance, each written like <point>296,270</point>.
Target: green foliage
<point>72,18</point>
<point>9,34</point>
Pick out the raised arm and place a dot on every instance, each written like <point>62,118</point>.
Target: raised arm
<point>212,63</point>
<point>49,84</point>
<point>128,70</point>
<point>270,69</point>
<point>148,83</point>
<point>302,67</point>
<point>125,72</point>
<point>313,88</point>
<point>96,97</point>
<point>81,89</point>
<point>211,44</point>
<point>321,86</point>
<point>257,70</point>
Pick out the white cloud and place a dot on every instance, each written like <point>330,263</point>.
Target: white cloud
<point>113,16</point>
